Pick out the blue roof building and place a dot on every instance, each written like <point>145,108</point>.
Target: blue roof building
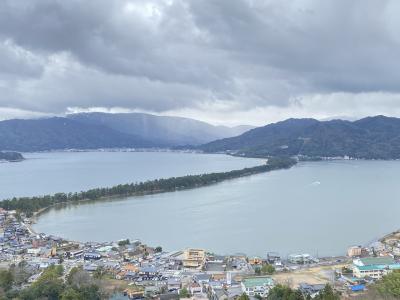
<point>374,267</point>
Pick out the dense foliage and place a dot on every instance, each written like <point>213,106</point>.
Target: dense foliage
<point>265,270</point>
<point>184,293</point>
<point>389,286</point>
<point>11,156</point>
<point>327,294</point>
<point>50,285</point>
<point>243,297</point>
<point>124,243</point>
<point>282,292</point>
<point>29,205</point>
<point>369,138</point>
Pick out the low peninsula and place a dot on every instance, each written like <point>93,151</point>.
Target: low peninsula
<point>10,156</point>
<point>31,205</point>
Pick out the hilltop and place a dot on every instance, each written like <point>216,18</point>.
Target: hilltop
<point>369,138</point>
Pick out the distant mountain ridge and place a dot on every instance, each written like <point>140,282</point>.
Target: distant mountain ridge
<point>62,133</point>
<point>100,130</point>
<point>370,138</point>
<point>162,130</point>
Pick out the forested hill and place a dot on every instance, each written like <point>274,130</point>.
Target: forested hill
<point>370,138</point>
<point>62,133</point>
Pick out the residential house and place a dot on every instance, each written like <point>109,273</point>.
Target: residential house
<point>202,278</point>
<point>301,258</point>
<point>195,288</point>
<point>311,289</point>
<point>174,284</point>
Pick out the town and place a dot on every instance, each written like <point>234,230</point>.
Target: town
<point>135,270</point>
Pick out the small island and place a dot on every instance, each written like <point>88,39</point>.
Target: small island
<point>11,156</point>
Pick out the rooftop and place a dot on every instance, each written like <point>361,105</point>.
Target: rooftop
<point>377,261</point>
<point>379,267</point>
<point>257,281</point>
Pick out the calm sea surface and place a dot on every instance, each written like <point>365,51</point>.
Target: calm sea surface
<point>47,173</point>
<point>316,207</point>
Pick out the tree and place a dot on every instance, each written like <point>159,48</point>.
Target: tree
<point>59,270</point>
<point>99,273</point>
<point>268,269</point>
<point>124,243</point>
<point>158,249</point>
<point>79,278</point>
<point>389,285</point>
<point>6,280</point>
<point>244,297</point>
<point>184,293</point>
<point>79,285</point>
<point>18,216</point>
<point>50,288</point>
<point>90,292</point>
<point>49,285</point>
<point>283,292</point>
<point>21,272</point>
<point>70,294</point>
<point>257,270</point>
<point>327,294</point>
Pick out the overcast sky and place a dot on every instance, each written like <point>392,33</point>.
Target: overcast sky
<point>222,61</point>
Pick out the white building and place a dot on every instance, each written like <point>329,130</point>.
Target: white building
<point>374,267</point>
<point>257,286</point>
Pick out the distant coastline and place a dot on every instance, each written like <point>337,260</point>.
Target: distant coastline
<point>152,149</point>
<point>300,158</point>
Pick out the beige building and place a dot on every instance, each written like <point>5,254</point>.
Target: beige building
<point>194,258</point>
<point>354,251</point>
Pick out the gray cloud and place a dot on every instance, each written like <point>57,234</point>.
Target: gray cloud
<point>16,62</point>
<point>183,56</point>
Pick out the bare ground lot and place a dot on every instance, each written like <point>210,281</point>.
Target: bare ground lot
<point>314,275</point>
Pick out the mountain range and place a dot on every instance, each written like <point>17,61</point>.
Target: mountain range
<point>161,130</point>
<point>370,138</point>
<point>102,130</point>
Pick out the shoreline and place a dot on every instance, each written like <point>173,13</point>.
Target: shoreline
<point>324,258</point>
<point>340,255</point>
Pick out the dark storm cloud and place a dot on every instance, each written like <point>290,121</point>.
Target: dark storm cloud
<point>171,55</point>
